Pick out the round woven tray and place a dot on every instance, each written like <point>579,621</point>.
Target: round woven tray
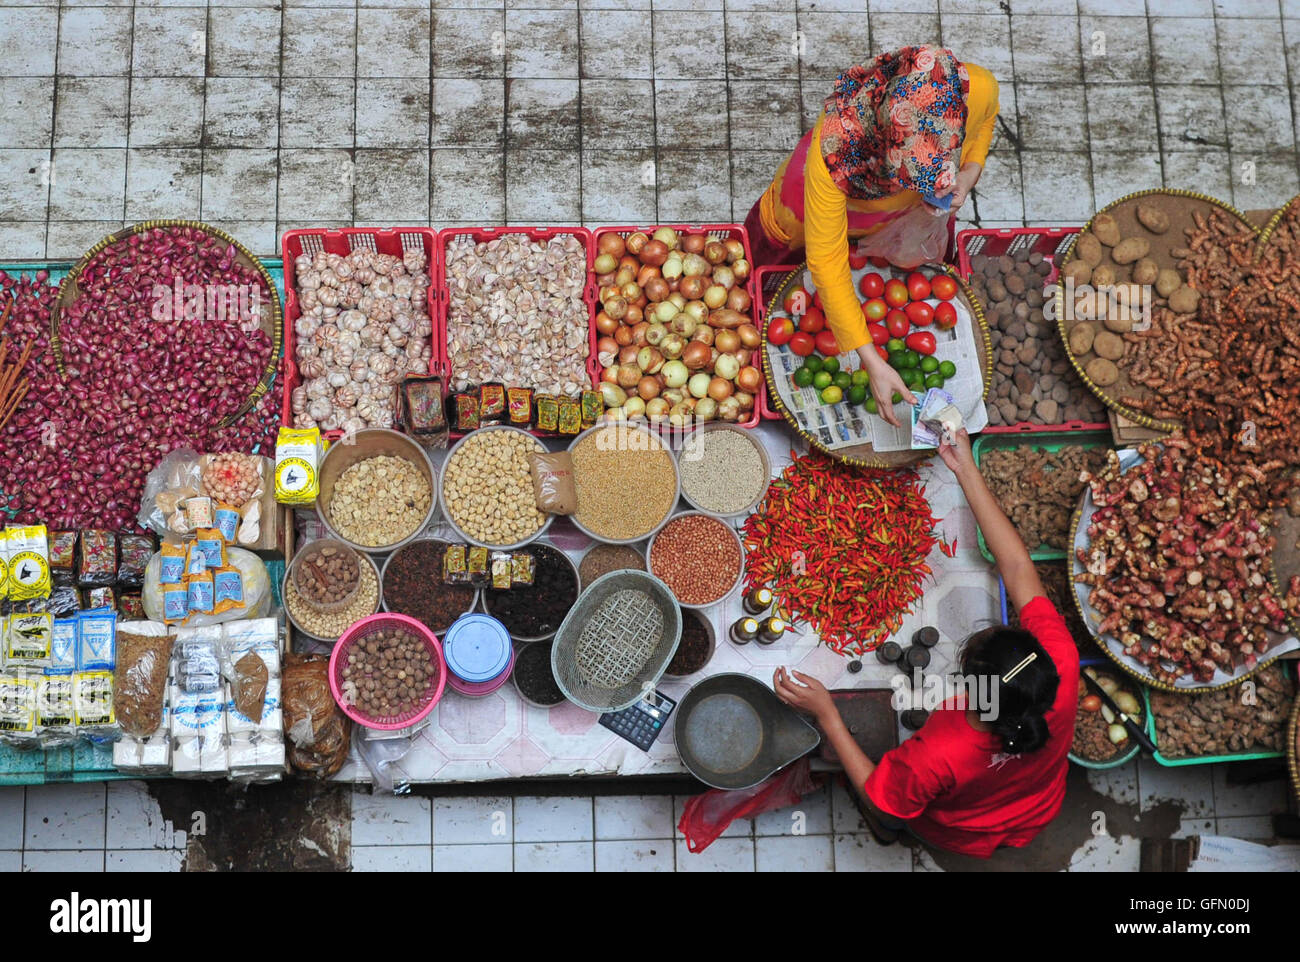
<point>1293,747</point>
<point>1266,232</point>
<point>271,322</point>
<point>1179,206</point>
<point>865,455</point>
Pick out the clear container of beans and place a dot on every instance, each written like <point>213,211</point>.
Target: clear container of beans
<point>326,574</point>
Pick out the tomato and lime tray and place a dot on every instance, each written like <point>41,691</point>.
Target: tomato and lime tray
<point>917,324</point>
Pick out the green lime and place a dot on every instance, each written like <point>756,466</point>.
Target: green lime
<point>911,358</point>
<point>842,380</point>
<point>832,395</point>
<point>872,406</point>
<point>913,378</point>
<point>861,378</point>
<point>857,394</point>
<point>814,363</point>
<point>896,359</point>
<point>894,344</point>
<point>803,377</point>
<point>947,369</point>
<point>821,380</point>
<point>831,364</point>
<point>896,398</point>
<point>934,380</point>
<point>929,364</point>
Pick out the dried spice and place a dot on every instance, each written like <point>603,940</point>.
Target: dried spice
<point>530,611</point>
<point>843,548</point>
<point>410,590</point>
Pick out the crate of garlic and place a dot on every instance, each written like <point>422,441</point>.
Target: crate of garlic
<point>358,320</point>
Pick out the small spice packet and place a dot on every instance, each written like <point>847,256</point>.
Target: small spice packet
<point>593,406</point>
<point>570,416</point>
<point>176,603</point>
<point>478,566</point>
<point>500,569</point>
<point>54,708</point>
<point>29,636</point>
<point>227,589</point>
<point>226,520</point>
<point>455,570</point>
<point>547,412</point>
<point>133,554</point>
<point>64,600</point>
<point>29,562</point>
<point>104,597</point>
<point>131,606</point>
<point>467,417</point>
<point>63,646</point>
<point>18,705</point>
<point>63,552</point>
<point>213,547</point>
<point>93,698</point>
<point>199,593</point>
<point>523,568</point>
<point>422,410</point>
<point>96,640</point>
<point>98,550</point>
<point>491,403</point>
<point>198,512</point>
<point>171,564</point>
<point>519,404</point>
<point>196,559</point>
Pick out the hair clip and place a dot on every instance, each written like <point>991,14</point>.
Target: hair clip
<point>1020,667</point>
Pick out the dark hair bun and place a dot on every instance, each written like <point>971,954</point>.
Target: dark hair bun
<point>1028,733</point>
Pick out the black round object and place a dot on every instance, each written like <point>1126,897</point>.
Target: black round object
<point>914,657</point>
<point>889,653</point>
<point>533,676</point>
<point>927,637</point>
<point>855,666</point>
<point>914,718</point>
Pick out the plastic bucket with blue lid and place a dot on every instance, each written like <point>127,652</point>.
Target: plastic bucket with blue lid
<point>478,655</point>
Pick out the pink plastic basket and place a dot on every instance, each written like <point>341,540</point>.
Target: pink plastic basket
<point>721,232</point>
<point>340,241</point>
<point>363,629</point>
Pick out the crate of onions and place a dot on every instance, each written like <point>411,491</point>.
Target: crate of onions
<point>675,339</point>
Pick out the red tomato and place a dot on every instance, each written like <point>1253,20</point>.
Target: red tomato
<point>812,321</point>
<point>943,287</point>
<point>896,293</point>
<point>878,334</point>
<point>920,313</point>
<point>857,261</point>
<point>879,261</point>
<point>779,330</point>
<point>797,301</point>
<point>945,316</point>
<point>875,309</point>
<point>802,344</point>
<point>817,300</point>
<point>826,343</point>
<point>918,286</point>
<point>871,285</point>
<point>922,342</point>
<point>884,355</point>
<point>897,324</point>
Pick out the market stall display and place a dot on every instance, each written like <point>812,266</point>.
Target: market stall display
<point>317,733</point>
<point>376,492</point>
<point>1226,724</point>
<point>675,339</point>
<point>534,612</point>
<point>1100,739</point>
<point>699,642</point>
<point>357,320</point>
<point>926,324</point>
<point>387,672</point>
<point>609,460</point>
<point>601,559</point>
<point>487,488</point>
<point>698,557</point>
<point>413,584</point>
<point>327,625</point>
<point>724,471</point>
<point>533,677</point>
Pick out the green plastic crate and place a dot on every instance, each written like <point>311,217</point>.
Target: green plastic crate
<point>1041,441</point>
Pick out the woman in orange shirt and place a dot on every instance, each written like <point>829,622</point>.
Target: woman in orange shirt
<point>889,162</point>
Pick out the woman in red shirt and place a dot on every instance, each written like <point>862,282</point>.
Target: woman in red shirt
<point>972,781</point>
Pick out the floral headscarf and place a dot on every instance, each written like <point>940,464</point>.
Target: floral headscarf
<point>897,123</point>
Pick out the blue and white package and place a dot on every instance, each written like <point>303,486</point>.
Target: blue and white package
<point>63,647</point>
<point>97,640</point>
<point>226,521</point>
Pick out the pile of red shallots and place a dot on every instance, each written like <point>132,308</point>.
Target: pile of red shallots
<point>78,449</point>
<point>1180,565</point>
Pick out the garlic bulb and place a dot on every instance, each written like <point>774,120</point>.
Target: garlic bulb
<point>306,326</point>
<point>328,296</point>
<point>344,356</point>
<point>381,363</point>
<point>372,335</point>
<point>344,269</point>
<point>320,409</point>
<point>311,367</point>
<point>318,387</point>
<point>403,288</point>
<point>414,261</point>
<point>328,278</point>
<point>333,422</point>
<point>309,281</point>
<point>298,399</point>
<point>349,339</point>
<point>346,396</point>
<point>421,326</point>
<point>336,379</point>
<point>352,320</point>
<point>364,275</point>
<point>309,300</point>
<point>360,371</point>
<point>396,335</point>
<point>353,424</point>
<point>319,262</point>
<point>350,293</point>
<point>382,287</point>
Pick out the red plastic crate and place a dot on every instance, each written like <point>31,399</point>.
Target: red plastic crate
<point>338,241</point>
<point>767,281</point>
<point>719,231</point>
<point>1052,243</point>
<point>489,233</point>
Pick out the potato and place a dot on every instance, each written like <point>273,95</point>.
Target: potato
<point>1184,300</point>
<point>1131,249</point>
<point>1146,271</point>
<point>1088,249</point>
<point>1103,275</point>
<point>1081,338</point>
<point>1102,372</point>
<point>1108,345</point>
<point>1152,218</point>
<point>1106,229</point>
<point>1079,271</point>
<point>1168,281</point>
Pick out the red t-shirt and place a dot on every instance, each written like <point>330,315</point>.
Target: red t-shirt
<point>956,786</point>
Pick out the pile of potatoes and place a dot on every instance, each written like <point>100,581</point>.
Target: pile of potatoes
<point>1107,261</point>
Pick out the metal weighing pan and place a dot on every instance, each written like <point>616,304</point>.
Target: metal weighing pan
<point>732,732</point>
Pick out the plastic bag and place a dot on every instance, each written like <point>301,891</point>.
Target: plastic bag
<point>914,238</point>
<point>318,732</point>
<point>174,480</point>
<point>705,817</point>
<point>256,585</point>
<point>144,650</point>
<point>382,756</point>
<point>553,487</point>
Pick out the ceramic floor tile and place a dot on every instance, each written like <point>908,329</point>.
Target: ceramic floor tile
<point>829,42</point>
<point>617,43</point>
<point>1189,786</point>
<point>244,43</point>
<point>393,113</point>
<point>688,114</point>
<point>741,828</point>
<point>704,58</point>
<point>542,186</point>
<point>922,860</point>
<point>1245,826</point>
<point>394,184</point>
<point>1046,49</point>
<point>554,857</point>
<point>1253,9</point>
<point>1258,180</point>
<point>27,173</point>
<point>751,174</point>
<point>1050,114</point>
<point>94,41</point>
<point>1106,854</point>
<point>618,187</point>
<point>541,43</point>
<point>891,30</point>
<point>135,820</point>
<point>317,112</point>
<point>167,111</point>
<point>393,43</point>
<point>762,45</point>
<point>1191,117</point>
<point>1261,119</point>
<point>620,817</point>
<point>614,115</point>
<point>472,820</point>
<point>1116,173</point>
<point>1046,176</point>
<point>168,42</point>
<point>259,236</point>
<point>811,815</point>
<point>1246,44</point>
<point>11,862</point>
<point>469,113</point>
<point>1183,50</point>
<point>87,184</point>
<point>392,858</point>
<point>1261,798</point>
<point>556,819</point>
<point>241,112</point>
<point>1208,171</point>
<point>63,860</point>
<point>319,43</point>
<point>1115,49</point>
<point>764,114</point>
<point>998,195</point>
<point>860,853</point>
<point>398,820</point>
<point>1119,784</point>
<point>694,186</point>
<point>724,855</point>
<point>1120,115</point>
<point>91,112</point>
<point>26,111</point>
<point>542,114</point>
<point>645,855</point>
<point>983,39</point>
<point>1119,8</point>
<point>313,185</point>
<point>68,240</point>
<point>25,240</point>
<point>1190,827</point>
<point>463,188</point>
<point>143,860</point>
<point>473,858</point>
<point>469,43</point>
<point>845,819</point>
<point>795,853</point>
<point>11,817</point>
<point>239,182</point>
<point>22,58</point>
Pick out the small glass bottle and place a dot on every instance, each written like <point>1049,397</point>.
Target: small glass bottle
<point>757,601</point>
<point>743,631</point>
<point>771,630</point>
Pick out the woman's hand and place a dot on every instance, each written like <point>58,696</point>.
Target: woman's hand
<point>885,381</point>
<point>811,697</point>
<point>956,453</point>
<point>960,188</point>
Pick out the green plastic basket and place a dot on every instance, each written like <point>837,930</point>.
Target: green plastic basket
<point>1040,441</point>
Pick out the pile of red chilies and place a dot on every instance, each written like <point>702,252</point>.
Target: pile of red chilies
<point>843,548</point>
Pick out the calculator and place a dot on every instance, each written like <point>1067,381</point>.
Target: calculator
<point>642,723</point>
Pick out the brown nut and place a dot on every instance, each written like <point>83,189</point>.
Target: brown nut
<point>1102,372</point>
<point>1108,345</point>
<point>1088,249</point>
<point>1106,229</point>
<point>1081,338</point>
<point>1153,218</point>
<point>1168,281</point>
